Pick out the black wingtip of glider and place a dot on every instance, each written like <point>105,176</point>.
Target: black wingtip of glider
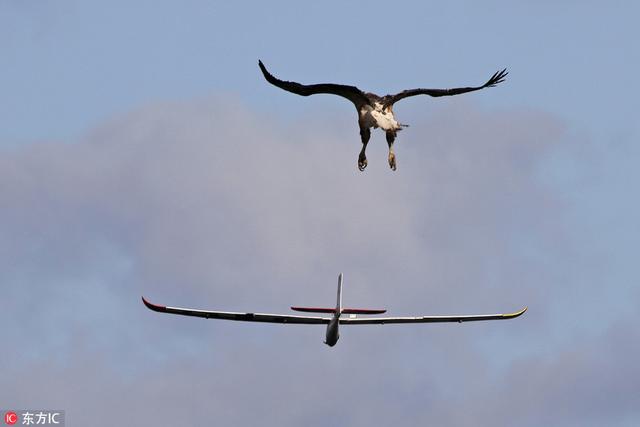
<point>154,307</point>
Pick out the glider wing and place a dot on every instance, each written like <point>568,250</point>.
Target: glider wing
<point>429,319</point>
<point>238,316</point>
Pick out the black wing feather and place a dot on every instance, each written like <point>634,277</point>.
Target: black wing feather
<point>352,93</point>
<point>498,77</point>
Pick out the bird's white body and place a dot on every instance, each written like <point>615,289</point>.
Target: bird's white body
<point>378,117</point>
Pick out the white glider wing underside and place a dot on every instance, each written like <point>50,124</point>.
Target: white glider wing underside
<point>429,319</point>
<point>238,316</point>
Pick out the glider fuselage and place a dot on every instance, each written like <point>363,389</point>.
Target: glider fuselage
<point>332,328</point>
<point>332,331</point>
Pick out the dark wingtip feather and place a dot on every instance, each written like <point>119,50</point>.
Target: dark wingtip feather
<point>267,75</point>
<point>497,77</point>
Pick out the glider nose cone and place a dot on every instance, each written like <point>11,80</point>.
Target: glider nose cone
<point>331,343</point>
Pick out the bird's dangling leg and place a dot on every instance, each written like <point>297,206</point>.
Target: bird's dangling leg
<point>365,134</point>
<point>391,136</point>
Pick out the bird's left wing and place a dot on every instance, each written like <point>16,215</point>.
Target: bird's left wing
<point>498,77</point>
<point>238,316</point>
<point>429,319</point>
<point>352,93</point>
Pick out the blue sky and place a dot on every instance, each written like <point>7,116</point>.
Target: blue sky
<point>142,152</point>
<point>70,65</point>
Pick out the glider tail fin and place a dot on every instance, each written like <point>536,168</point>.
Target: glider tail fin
<point>339,299</point>
<point>338,310</point>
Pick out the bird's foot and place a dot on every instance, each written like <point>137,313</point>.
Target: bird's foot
<point>362,162</point>
<point>392,161</point>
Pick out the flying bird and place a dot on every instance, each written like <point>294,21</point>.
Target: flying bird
<point>374,111</point>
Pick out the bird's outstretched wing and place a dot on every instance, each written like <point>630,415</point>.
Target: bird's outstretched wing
<point>232,315</point>
<point>352,93</point>
<point>429,319</point>
<point>498,77</point>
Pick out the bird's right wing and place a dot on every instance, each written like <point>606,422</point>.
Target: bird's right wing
<point>498,77</point>
<point>231,315</point>
<point>429,319</point>
<point>352,93</point>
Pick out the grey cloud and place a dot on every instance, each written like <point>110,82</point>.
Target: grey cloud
<point>210,204</point>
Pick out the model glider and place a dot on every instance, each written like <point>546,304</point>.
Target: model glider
<point>374,111</point>
<point>339,316</point>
